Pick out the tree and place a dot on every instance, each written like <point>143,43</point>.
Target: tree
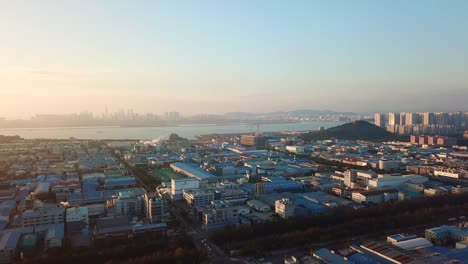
<point>174,137</point>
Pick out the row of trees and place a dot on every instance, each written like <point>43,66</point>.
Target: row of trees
<point>141,251</point>
<point>141,171</point>
<point>9,139</point>
<point>342,224</point>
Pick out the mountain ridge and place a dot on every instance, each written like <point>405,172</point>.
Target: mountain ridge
<point>297,112</point>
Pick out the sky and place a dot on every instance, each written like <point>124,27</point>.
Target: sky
<point>223,56</point>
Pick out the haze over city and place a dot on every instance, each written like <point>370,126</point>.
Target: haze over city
<point>233,132</point>
<point>220,56</point>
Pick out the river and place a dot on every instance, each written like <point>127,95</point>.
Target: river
<point>187,131</point>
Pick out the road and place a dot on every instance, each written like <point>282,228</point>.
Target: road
<point>134,172</point>
<point>201,239</point>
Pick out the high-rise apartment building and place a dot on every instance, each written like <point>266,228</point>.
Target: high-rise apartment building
<point>403,119</point>
<point>393,119</point>
<point>412,119</point>
<point>441,118</point>
<point>428,118</point>
<point>379,120</point>
<point>350,176</point>
<point>456,119</point>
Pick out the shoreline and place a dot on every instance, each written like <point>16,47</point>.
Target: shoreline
<point>160,125</point>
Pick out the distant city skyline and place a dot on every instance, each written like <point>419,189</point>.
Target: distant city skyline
<point>212,57</point>
<point>127,112</point>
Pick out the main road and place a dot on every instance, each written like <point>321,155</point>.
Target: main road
<point>201,239</point>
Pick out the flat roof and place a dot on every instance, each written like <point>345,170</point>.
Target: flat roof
<point>413,243</point>
<point>387,252</point>
<point>192,171</point>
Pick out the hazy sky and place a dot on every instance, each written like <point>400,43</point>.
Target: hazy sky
<point>220,56</point>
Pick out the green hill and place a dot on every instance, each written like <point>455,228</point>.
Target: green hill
<point>357,130</point>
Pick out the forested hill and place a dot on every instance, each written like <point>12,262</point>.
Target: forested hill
<point>357,130</point>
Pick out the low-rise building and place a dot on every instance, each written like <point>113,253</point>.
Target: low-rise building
<point>389,164</point>
<point>442,233</point>
<point>258,205</point>
<point>295,149</point>
<point>178,186</point>
<point>231,195</point>
<point>449,173</point>
<point>156,209</point>
<point>392,239</point>
<point>77,219</point>
<point>375,196</point>
<point>198,198</point>
<point>126,203</point>
<point>438,191</point>
<point>192,171</point>
<point>285,208</point>
<point>66,186</point>
<point>50,214</point>
<point>459,189</point>
<point>219,214</point>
